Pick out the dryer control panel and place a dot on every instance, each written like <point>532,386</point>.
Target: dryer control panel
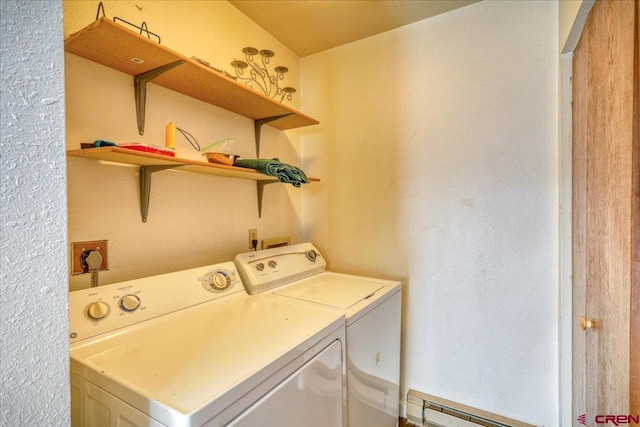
<point>102,309</point>
<point>267,269</point>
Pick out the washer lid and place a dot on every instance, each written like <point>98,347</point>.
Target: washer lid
<point>339,291</point>
<point>194,363</point>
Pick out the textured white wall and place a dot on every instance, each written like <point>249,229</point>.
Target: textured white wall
<point>438,148</point>
<point>34,364</point>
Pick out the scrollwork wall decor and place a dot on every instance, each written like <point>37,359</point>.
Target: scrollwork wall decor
<point>259,78</point>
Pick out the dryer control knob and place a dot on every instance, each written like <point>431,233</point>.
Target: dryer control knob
<point>312,255</point>
<point>98,310</point>
<point>273,264</point>
<point>130,302</point>
<point>260,266</point>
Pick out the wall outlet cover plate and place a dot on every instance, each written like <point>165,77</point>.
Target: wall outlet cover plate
<point>78,248</point>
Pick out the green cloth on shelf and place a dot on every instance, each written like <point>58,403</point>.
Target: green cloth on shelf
<point>273,167</point>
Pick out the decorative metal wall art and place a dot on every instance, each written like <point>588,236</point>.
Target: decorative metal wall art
<point>259,77</point>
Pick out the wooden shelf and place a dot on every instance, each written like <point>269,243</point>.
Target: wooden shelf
<point>150,163</point>
<point>114,46</point>
<point>140,158</point>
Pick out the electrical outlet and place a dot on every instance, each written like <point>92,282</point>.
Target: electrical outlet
<point>78,248</point>
<point>253,238</point>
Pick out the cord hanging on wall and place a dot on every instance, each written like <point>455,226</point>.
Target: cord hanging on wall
<point>259,76</point>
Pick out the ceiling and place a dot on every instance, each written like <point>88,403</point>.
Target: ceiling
<point>311,26</point>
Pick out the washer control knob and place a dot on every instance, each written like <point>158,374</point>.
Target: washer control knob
<point>260,266</point>
<point>312,255</point>
<point>219,281</point>
<point>216,280</point>
<point>272,264</point>
<point>98,310</point>
<point>129,302</point>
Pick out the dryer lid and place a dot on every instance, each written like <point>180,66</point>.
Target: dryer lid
<point>338,291</point>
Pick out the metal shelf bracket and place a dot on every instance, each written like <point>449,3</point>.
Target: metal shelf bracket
<point>261,185</point>
<point>145,186</point>
<point>258,127</point>
<point>140,88</point>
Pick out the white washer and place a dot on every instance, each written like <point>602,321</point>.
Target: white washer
<point>372,310</point>
<point>191,348</point>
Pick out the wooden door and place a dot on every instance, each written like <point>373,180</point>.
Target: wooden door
<point>605,213</point>
<point>634,336</point>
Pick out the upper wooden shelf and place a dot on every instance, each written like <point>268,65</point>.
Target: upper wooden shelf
<point>114,45</point>
<point>139,158</point>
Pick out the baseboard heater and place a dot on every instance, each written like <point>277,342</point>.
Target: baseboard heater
<point>433,411</point>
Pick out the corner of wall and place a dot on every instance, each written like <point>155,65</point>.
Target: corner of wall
<point>571,18</point>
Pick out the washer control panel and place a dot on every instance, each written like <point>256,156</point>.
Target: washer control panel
<point>270,268</point>
<point>95,311</point>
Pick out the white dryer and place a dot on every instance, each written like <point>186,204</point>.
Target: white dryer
<point>372,309</point>
<point>191,348</point>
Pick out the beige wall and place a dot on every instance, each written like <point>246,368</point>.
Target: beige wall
<point>438,146</point>
<point>567,13</point>
<point>193,219</point>
<point>572,15</point>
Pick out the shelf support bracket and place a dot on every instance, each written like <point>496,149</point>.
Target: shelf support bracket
<point>258,127</point>
<point>261,185</point>
<point>145,186</point>
<point>140,88</point>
